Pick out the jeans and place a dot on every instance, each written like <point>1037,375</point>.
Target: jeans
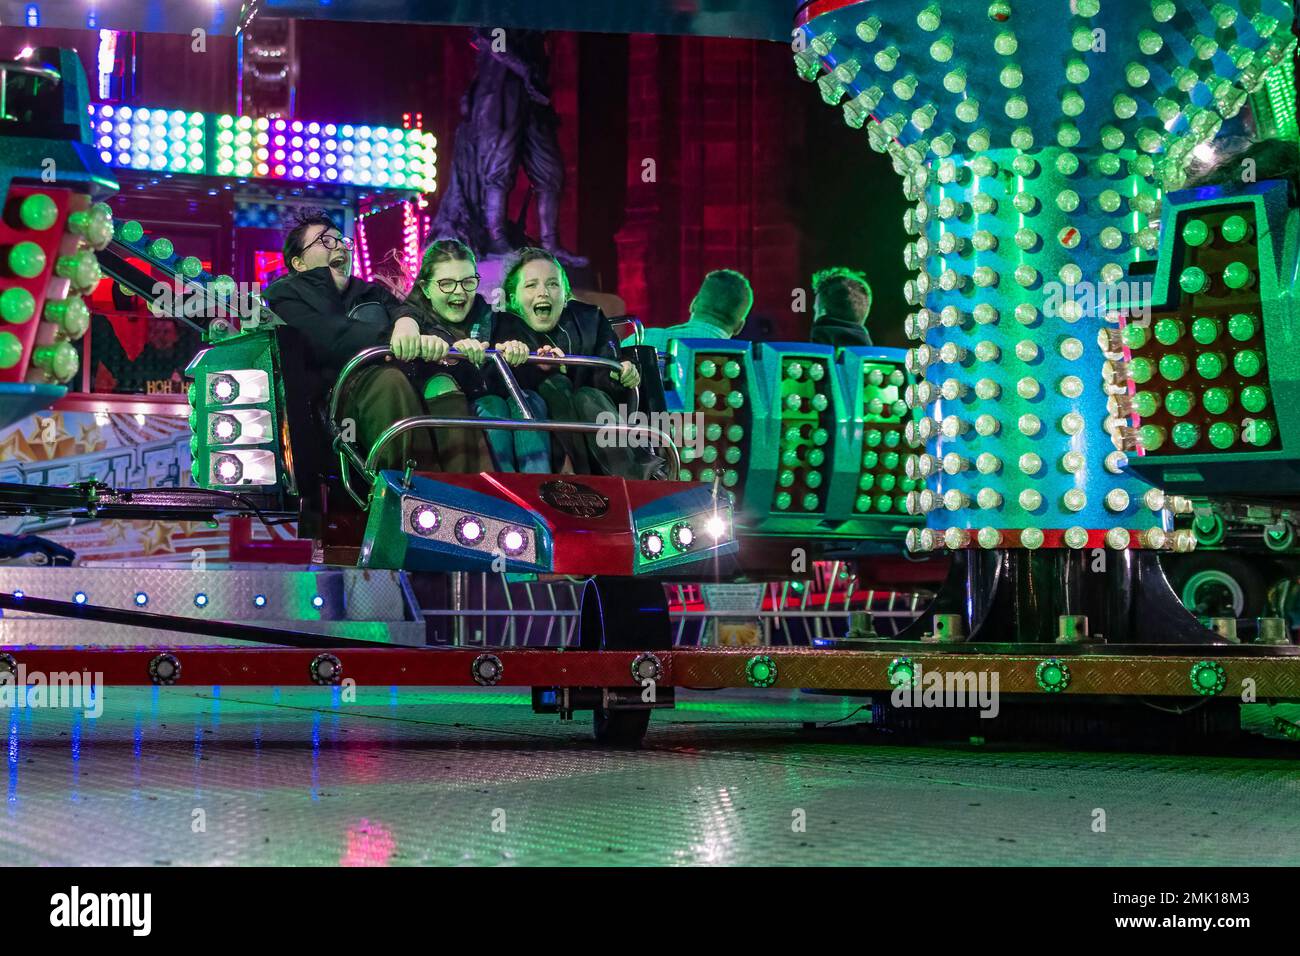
<point>381,395</point>
<point>589,454</point>
<point>525,451</point>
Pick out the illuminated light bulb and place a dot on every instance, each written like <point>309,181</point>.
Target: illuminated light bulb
<point>988,463</point>
<point>1027,351</point>
<point>886,59</point>
<point>1075,537</point>
<point>1030,499</point>
<point>987,352</point>
<point>1024,165</point>
<point>1077,71</point>
<point>955,538</point>
<point>988,499</point>
<point>952,353</point>
<point>950,244</point>
<point>983,240</point>
<point>954,500</point>
<point>952,389</point>
<point>968,110</point>
<point>1028,388</point>
<point>1026,313</point>
<point>913,539</point>
<point>1112,273</point>
<point>1017,107</point>
<point>1011,76</point>
<point>1118,539</point>
<point>987,425</point>
<point>1074,499</point>
<point>1022,138</point>
<point>1030,463</point>
<point>950,280</point>
<point>1029,424</point>
<point>985,277</point>
<point>955,464</point>
<point>1111,238</point>
<point>1026,275</point>
<point>1072,423</point>
<point>926,429</point>
<point>1026,239</point>
<point>927,465</point>
<point>955,81</point>
<point>1031,538</point>
<point>1081,39</point>
<point>1204,47</point>
<point>1115,462</point>
<point>986,389</point>
<point>1067,200</point>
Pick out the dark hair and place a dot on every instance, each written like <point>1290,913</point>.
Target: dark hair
<point>294,238</point>
<point>844,294</point>
<point>521,258</point>
<point>724,294</point>
<point>436,253</point>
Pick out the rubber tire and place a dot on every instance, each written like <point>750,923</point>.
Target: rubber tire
<point>621,613</point>
<point>620,728</point>
<point>1250,576</point>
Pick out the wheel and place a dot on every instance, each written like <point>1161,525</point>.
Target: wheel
<point>626,614</point>
<point>1216,584</point>
<point>623,614</point>
<point>620,728</point>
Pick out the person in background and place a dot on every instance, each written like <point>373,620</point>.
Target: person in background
<point>339,315</point>
<point>546,321</point>
<point>444,303</point>
<point>841,303</point>
<point>718,311</point>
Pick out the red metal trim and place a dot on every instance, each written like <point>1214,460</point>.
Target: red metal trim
<point>817,8</point>
<point>244,548</point>
<point>174,405</point>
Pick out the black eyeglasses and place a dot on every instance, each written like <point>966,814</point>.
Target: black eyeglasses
<point>467,284</point>
<point>329,242</point>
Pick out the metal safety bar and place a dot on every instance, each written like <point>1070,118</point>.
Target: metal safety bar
<point>510,424</point>
<point>349,456</point>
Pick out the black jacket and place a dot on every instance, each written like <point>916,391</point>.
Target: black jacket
<point>839,333</point>
<point>479,324</point>
<point>582,330</point>
<point>336,325</point>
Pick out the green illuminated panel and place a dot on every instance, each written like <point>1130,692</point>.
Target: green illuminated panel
<point>882,485</point>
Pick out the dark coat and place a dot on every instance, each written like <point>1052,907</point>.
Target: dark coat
<point>479,324</point>
<point>582,330</point>
<point>839,333</point>
<point>336,325</point>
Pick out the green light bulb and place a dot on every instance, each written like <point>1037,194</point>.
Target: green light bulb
<point>1254,398</point>
<point>1260,432</point>
<point>1248,363</point>
<point>1238,275</point>
<point>11,350</point>
<point>1168,331</point>
<point>862,503</point>
<point>1196,232</point>
<point>783,501</point>
<point>1235,228</point>
<point>1186,434</point>
<point>27,259</point>
<point>1141,369</point>
<point>1223,435</point>
<point>866,482</point>
<point>785,479</point>
<point>1206,329</point>
<point>1210,364</point>
<point>1194,281</point>
<point>1135,336</point>
<point>1173,367</point>
<point>870,460</point>
<point>129,231</point>
<point>38,211</point>
<point>810,502</point>
<point>1217,400</point>
<point>1151,436</point>
<point>1242,327</point>
<point>1179,402</point>
<point>1145,404</point>
<point>17,305</point>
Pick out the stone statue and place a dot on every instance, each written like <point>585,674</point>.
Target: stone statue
<point>506,120</point>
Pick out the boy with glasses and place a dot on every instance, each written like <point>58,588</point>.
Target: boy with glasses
<point>338,316</point>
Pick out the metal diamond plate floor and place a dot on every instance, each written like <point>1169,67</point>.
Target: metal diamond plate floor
<point>296,777</point>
